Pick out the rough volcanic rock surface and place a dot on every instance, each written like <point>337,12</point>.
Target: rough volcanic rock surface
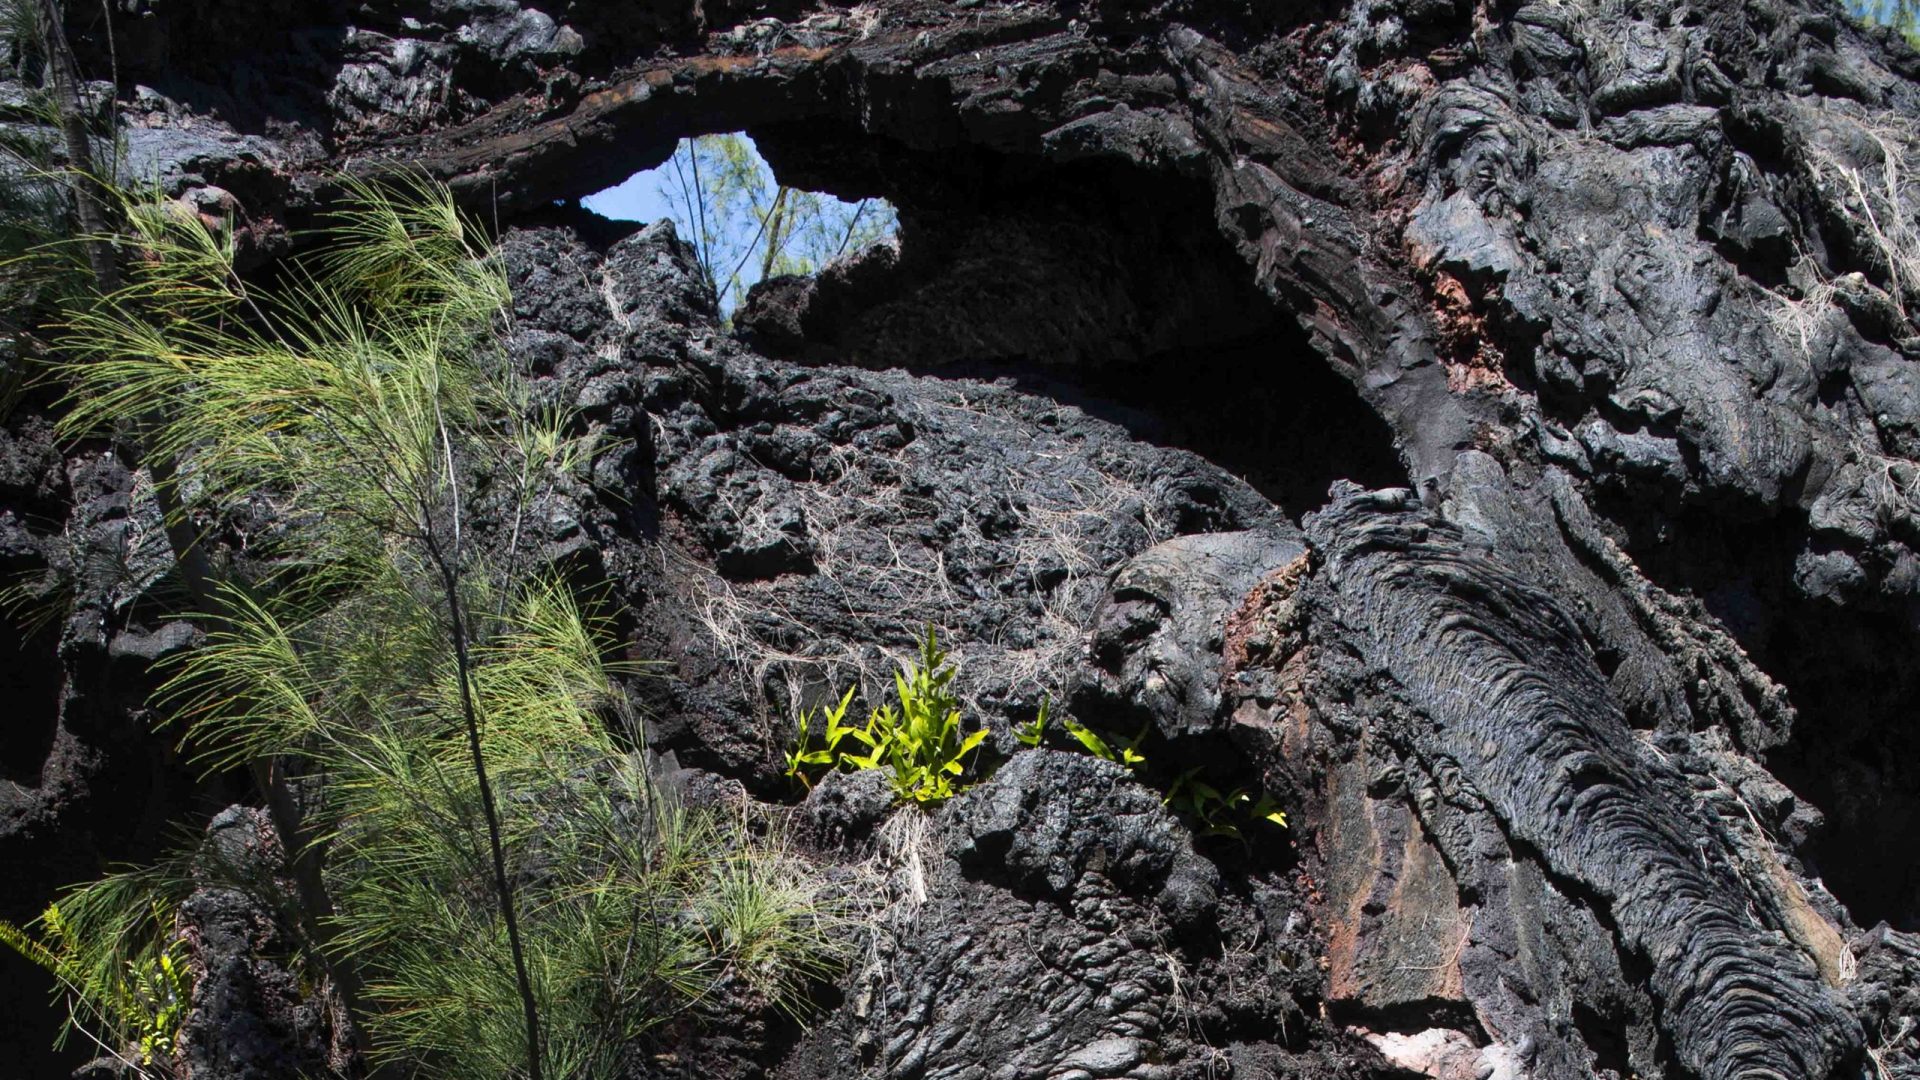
<point>1521,722</point>
<point>1591,720</point>
<point>1158,648</point>
<point>789,528</point>
<point>251,1017</point>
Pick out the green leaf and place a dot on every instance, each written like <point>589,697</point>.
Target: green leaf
<point>917,736</point>
<point>1032,734</point>
<point>1266,809</point>
<point>1093,742</point>
<point>971,742</point>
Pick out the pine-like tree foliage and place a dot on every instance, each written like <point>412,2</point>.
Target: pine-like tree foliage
<point>1902,15</point>
<point>360,408</point>
<point>116,959</point>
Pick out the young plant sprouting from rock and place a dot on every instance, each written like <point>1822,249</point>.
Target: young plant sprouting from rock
<point>1034,732</point>
<point>502,879</point>
<point>917,740</point>
<point>1125,752</point>
<point>1211,811</point>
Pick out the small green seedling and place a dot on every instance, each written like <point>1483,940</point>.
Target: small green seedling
<point>917,739</point>
<point>921,740</point>
<point>143,1003</point>
<point>1032,734</point>
<point>1267,809</point>
<point>1128,752</point>
<point>1214,812</point>
<point>158,991</point>
<point>804,759</point>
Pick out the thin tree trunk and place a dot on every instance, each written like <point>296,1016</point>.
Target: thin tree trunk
<point>702,243</point>
<point>65,76</point>
<point>777,223</point>
<point>97,228</point>
<point>450,583</point>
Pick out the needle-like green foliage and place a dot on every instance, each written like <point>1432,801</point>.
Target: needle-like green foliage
<point>514,894</point>
<point>342,398</point>
<point>118,962</point>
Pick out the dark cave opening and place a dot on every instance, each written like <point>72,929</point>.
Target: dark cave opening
<point>1605,1036</point>
<point>1290,430</point>
<point>32,683</point>
<point>1096,282</point>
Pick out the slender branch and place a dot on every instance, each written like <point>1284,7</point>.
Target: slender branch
<point>695,215</point>
<point>693,159</point>
<point>734,276</point>
<point>463,664</point>
<point>113,74</point>
<point>521,500</point>
<point>777,215</point>
<point>448,567</point>
<point>90,201</point>
<point>852,224</point>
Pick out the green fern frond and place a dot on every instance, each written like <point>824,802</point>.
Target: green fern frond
<point>112,949</point>
<point>24,943</point>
